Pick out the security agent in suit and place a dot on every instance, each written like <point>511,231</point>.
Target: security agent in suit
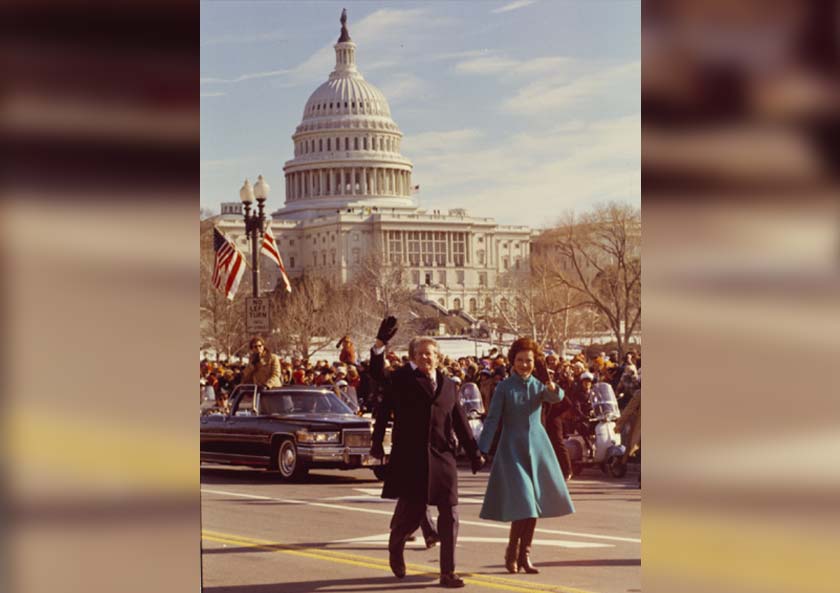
<point>421,469</point>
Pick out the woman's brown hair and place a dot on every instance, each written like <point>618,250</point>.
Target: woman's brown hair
<point>521,345</point>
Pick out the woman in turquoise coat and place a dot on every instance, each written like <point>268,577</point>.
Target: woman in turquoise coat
<point>525,481</point>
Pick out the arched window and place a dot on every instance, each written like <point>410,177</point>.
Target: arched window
<point>488,304</point>
<point>472,305</point>
<point>347,144</point>
<point>356,143</point>
<point>456,304</point>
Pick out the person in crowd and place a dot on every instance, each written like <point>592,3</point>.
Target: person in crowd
<point>631,416</point>
<point>553,415</point>
<point>263,367</point>
<point>426,410</point>
<point>526,481</point>
<point>348,351</point>
<point>581,404</point>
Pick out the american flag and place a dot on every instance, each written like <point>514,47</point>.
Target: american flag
<point>229,265</point>
<point>269,248</point>
<point>415,189</point>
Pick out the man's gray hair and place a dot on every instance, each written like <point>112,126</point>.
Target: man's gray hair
<point>415,343</point>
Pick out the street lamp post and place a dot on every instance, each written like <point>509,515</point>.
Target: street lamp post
<point>254,224</point>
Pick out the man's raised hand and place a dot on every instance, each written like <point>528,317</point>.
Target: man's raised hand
<point>387,329</point>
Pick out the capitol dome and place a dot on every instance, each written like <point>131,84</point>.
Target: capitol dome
<point>347,147</point>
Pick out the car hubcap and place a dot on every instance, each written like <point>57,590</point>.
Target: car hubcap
<point>287,459</point>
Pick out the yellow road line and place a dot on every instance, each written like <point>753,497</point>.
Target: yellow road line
<point>491,582</point>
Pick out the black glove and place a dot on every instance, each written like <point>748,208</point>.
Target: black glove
<point>376,451</point>
<point>477,463</point>
<point>387,329</point>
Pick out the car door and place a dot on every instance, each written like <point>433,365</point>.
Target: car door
<point>234,438</point>
<point>246,434</point>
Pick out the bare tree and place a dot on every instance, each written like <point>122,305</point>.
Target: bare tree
<point>385,290</point>
<point>303,319</point>
<point>598,258</point>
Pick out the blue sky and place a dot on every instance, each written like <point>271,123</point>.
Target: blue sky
<point>519,110</point>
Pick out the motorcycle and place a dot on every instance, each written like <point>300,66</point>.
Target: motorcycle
<point>474,407</point>
<point>595,443</point>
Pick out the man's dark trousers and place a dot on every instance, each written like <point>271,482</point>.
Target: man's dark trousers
<point>406,520</point>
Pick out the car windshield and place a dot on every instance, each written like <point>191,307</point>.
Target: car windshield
<point>302,402</point>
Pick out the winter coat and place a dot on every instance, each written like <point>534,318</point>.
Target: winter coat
<point>421,466</point>
<point>526,480</point>
<point>265,373</point>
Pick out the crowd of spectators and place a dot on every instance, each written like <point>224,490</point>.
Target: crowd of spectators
<point>218,379</point>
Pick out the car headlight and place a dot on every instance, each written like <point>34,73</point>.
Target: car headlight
<point>304,436</point>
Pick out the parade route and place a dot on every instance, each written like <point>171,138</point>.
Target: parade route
<point>262,535</point>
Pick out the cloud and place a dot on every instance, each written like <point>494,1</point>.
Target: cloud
<point>517,4</point>
<point>497,64</point>
<point>250,76</point>
<point>550,94</point>
<point>572,165</point>
<point>212,94</point>
<point>244,39</point>
<point>382,32</point>
<point>402,87</point>
<point>434,142</point>
<point>486,65</point>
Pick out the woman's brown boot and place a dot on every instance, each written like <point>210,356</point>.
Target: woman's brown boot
<point>526,537</point>
<point>512,552</point>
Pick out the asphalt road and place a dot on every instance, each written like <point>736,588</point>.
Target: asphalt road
<point>262,535</point>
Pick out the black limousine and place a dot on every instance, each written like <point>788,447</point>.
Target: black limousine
<point>291,429</point>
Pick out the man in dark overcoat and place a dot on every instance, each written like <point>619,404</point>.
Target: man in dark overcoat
<point>421,470</point>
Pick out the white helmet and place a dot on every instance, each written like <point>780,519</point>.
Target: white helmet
<point>587,377</point>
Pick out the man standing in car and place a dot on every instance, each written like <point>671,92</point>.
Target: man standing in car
<point>263,367</point>
<point>426,411</point>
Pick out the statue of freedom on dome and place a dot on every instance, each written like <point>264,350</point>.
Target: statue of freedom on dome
<point>345,36</point>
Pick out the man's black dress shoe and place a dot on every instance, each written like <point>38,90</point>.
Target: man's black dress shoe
<point>397,562</point>
<point>451,581</point>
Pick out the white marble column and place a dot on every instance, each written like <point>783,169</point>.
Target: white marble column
<point>352,181</point>
<point>321,191</point>
<point>364,181</point>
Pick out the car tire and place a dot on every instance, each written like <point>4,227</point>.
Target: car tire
<point>290,466</point>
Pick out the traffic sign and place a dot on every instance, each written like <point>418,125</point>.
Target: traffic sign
<point>256,318</point>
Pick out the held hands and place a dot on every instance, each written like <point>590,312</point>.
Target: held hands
<point>477,463</point>
<point>376,451</point>
<point>387,329</point>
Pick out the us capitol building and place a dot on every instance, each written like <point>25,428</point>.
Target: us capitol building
<point>349,196</point>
